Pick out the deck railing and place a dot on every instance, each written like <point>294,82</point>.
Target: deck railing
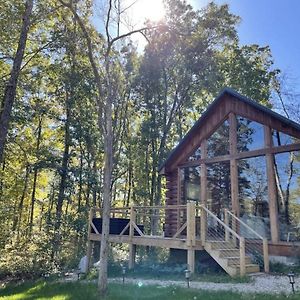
<point>255,245</point>
<point>230,232</point>
<point>214,230</point>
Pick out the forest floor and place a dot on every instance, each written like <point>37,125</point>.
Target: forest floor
<point>139,290</point>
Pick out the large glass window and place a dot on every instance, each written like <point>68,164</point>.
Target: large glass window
<point>253,195</point>
<point>218,142</point>
<point>287,173</point>
<point>190,184</point>
<point>219,194</point>
<point>250,135</point>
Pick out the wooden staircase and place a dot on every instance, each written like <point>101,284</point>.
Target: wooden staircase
<point>226,243</point>
<point>228,257</point>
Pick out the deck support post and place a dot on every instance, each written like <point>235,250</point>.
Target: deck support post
<point>132,252</point>
<point>273,209</point>
<point>132,247</point>
<point>191,234</point>
<point>89,242</point>
<point>191,260</point>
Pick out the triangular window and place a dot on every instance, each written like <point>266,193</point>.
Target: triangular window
<point>218,142</point>
<point>250,135</point>
<point>281,139</point>
<point>196,155</point>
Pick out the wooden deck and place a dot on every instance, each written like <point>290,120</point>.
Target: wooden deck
<point>148,240</point>
<point>222,241</point>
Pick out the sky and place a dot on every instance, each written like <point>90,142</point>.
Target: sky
<point>270,22</point>
<point>264,22</point>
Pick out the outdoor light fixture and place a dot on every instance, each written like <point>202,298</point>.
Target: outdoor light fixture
<point>291,276</point>
<point>123,273</point>
<point>187,273</point>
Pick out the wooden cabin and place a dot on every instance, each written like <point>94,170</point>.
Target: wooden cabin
<point>233,189</point>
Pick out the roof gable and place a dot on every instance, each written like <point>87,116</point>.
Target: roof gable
<point>228,101</point>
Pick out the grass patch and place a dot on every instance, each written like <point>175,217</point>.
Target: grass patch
<point>165,272</point>
<point>279,268</point>
<point>86,291</point>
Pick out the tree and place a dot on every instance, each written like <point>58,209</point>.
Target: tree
<point>11,86</point>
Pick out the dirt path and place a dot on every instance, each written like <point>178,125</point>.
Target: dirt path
<point>261,284</point>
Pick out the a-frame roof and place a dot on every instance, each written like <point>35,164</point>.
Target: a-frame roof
<point>228,101</point>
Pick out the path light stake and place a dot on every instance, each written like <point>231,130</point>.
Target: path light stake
<point>123,273</point>
<point>291,276</point>
<point>187,277</point>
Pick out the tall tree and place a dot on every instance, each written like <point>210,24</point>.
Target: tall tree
<point>11,86</point>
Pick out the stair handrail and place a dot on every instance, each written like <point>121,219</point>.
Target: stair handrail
<point>242,222</point>
<point>221,222</point>
<point>241,239</point>
<point>264,240</point>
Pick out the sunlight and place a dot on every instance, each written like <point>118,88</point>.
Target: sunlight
<point>142,10</point>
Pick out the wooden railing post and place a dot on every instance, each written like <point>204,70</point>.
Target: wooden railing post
<point>242,256</point>
<point>226,221</point>
<point>132,247</point>
<point>266,256</point>
<point>191,234</point>
<point>89,242</point>
<point>191,224</point>
<point>203,226</point>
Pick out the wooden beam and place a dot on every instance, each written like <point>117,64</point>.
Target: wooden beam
<point>233,164</point>
<point>178,196</point>
<point>147,240</point>
<point>243,155</point>
<point>272,192</point>
<point>203,191</point>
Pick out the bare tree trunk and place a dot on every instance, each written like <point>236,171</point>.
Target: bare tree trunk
<point>107,194</point>
<point>35,175</point>
<point>80,181</point>
<point>21,204</point>
<point>11,87</point>
<point>63,179</point>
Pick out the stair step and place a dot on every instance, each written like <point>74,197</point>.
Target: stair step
<point>221,245</point>
<point>250,268</point>
<point>235,260</point>
<point>229,252</point>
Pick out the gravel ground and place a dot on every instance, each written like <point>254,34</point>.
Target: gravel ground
<point>261,284</point>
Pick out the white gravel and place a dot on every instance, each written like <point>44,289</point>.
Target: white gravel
<point>268,284</point>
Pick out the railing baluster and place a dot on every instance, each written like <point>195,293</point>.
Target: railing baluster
<point>226,220</point>
<point>266,256</point>
<point>242,256</point>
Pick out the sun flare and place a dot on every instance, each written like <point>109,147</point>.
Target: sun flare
<point>152,10</point>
